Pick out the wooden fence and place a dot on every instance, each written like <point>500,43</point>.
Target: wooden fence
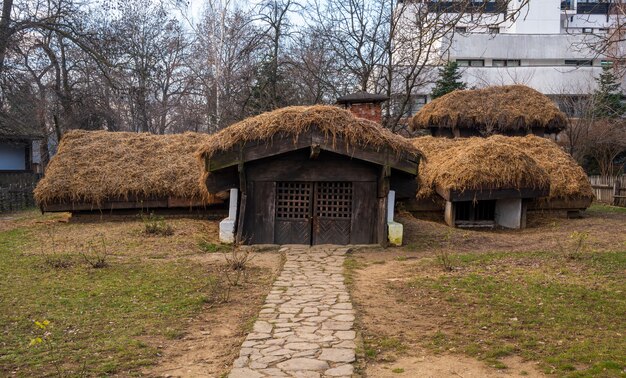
<point>611,190</point>
<point>19,194</point>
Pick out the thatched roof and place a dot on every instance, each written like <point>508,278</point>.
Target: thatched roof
<point>475,164</point>
<point>567,179</point>
<point>499,162</point>
<point>292,121</point>
<point>13,128</point>
<point>93,167</point>
<point>492,109</point>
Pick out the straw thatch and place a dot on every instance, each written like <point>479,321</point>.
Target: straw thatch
<point>492,110</point>
<point>475,164</point>
<point>94,167</point>
<point>292,121</point>
<point>499,162</point>
<point>567,179</point>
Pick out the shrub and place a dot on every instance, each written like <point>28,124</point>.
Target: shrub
<point>156,225</point>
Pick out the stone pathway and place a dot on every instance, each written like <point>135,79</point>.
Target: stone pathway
<point>305,328</point>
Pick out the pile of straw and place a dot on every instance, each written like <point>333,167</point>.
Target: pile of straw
<point>567,179</point>
<point>93,167</point>
<point>500,162</point>
<point>295,120</point>
<point>492,110</point>
<point>475,164</point>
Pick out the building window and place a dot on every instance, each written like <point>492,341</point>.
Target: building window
<point>415,104</point>
<point>494,30</point>
<point>588,30</point>
<point>606,62</point>
<point>461,29</point>
<point>470,62</point>
<point>578,63</point>
<point>506,63</point>
<point>603,30</point>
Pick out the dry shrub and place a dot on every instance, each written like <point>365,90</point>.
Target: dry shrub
<point>93,167</point>
<point>475,164</point>
<point>492,109</point>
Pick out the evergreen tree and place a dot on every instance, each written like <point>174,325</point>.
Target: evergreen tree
<point>449,80</point>
<point>608,96</point>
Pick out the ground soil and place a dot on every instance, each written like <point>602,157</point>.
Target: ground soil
<point>213,338</point>
<point>385,311</point>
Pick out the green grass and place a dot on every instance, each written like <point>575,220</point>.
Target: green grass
<point>569,315</point>
<point>209,247</point>
<point>104,321</point>
<point>601,208</point>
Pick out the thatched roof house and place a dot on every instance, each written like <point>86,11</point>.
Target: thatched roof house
<point>513,110</point>
<point>101,170</point>
<point>476,165</point>
<point>310,175</point>
<point>532,168</point>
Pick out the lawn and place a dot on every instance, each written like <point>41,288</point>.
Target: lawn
<point>117,319</point>
<point>555,307</point>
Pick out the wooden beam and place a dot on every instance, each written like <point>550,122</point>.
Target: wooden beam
<point>490,194</point>
<point>280,144</point>
<point>315,151</point>
<point>559,204</point>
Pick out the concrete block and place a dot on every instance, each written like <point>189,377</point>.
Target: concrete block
<point>395,232</point>
<point>509,213</point>
<point>227,231</point>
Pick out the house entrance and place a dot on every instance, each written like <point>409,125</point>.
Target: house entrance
<point>313,212</point>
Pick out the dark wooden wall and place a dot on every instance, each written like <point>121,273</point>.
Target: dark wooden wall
<point>258,226</point>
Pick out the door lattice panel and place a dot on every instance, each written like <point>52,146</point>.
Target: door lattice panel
<point>293,200</point>
<point>333,200</point>
<point>293,212</point>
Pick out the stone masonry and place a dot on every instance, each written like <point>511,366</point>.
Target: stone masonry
<point>305,328</point>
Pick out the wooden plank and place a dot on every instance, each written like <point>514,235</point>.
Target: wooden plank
<point>559,204</point>
<point>281,144</point>
<point>364,213</point>
<point>486,194</point>
<point>310,170</point>
<point>223,159</point>
<point>258,226</point>
<point>405,185</point>
<point>222,180</point>
<point>239,235</point>
<point>381,224</point>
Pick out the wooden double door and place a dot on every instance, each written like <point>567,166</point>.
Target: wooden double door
<point>313,212</point>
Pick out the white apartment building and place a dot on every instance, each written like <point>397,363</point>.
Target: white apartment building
<point>545,47</point>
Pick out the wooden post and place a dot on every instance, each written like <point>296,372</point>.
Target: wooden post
<point>242,204</point>
<point>616,192</point>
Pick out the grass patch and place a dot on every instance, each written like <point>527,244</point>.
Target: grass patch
<point>382,348</point>
<point>567,314</point>
<point>602,208</point>
<point>100,319</point>
<point>208,247</point>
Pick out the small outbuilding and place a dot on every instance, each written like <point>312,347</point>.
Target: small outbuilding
<point>487,182</point>
<point>310,175</point>
<point>512,110</point>
<point>96,171</point>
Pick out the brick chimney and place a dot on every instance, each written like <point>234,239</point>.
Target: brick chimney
<point>364,105</point>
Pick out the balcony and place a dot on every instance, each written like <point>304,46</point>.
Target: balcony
<point>593,8</point>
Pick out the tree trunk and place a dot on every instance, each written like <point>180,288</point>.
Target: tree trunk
<point>5,30</point>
